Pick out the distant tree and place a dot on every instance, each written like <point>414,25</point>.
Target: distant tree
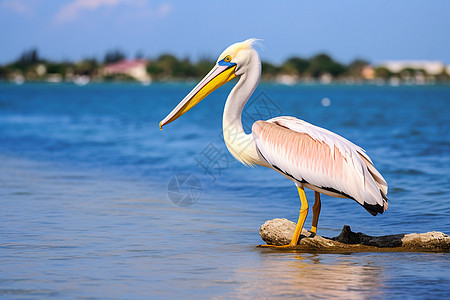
<point>87,66</point>
<point>3,72</point>
<point>383,72</point>
<point>56,68</point>
<point>443,76</point>
<point>202,67</point>
<point>29,57</point>
<point>113,56</point>
<point>168,64</point>
<point>269,70</point>
<point>356,67</point>
<point>26,60</point>
<point>183,68</point>
<point>408,72</point>
<point>295,65</point>
<point>154,69</point>
<point>322,63</point>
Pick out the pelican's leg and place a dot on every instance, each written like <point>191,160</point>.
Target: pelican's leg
<point>301,218</point>
<point>301,221</point>
<point>316,213</point>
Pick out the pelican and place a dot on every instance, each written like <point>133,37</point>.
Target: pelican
<point>310,156</point>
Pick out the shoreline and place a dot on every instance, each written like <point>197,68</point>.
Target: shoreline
<point>263,82</point>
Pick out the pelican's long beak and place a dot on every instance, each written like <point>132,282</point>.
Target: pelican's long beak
<point>218,76</point>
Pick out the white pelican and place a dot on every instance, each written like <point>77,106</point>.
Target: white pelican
<point>310,156</point>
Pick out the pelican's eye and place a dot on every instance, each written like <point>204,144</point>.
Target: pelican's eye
<point>227,58</point>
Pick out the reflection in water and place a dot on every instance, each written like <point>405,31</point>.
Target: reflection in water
<point>311,276</point>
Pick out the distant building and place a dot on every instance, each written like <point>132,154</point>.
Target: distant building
<point>41,70</point>
<point>430,67</point>
<point>55,78</point>
<point>286,79</point>
<point>368,72</point>
<point>134,68</point>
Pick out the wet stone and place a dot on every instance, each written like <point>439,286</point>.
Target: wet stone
<point>279,232</point>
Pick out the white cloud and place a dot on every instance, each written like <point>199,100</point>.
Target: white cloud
<point>164,9</point>
<point>16,6</point>
<point>72,11</point>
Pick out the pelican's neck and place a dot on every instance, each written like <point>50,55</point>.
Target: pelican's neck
<point>240,144</point>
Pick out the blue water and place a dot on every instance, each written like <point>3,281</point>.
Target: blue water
<point>86,211</point>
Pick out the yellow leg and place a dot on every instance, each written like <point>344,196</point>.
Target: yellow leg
<point>301,218</point>
<point>300,223</point>
<point>316,212</point>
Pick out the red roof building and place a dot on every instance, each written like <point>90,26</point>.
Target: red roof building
<point>135,68</point>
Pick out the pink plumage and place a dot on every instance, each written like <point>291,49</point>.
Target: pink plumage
<point>321,160</point>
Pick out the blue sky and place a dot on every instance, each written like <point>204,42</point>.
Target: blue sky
<point>373,30</point>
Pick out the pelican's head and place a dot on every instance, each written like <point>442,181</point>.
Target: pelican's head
<point>231,63</point>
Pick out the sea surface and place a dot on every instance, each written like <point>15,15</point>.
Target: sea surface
<point>97,202</point>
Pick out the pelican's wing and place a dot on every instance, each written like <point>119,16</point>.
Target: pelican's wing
<point>313,155</point>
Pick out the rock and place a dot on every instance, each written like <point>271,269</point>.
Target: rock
<point>431,241</point>
<point>280,231</point>
<point>277,231</point>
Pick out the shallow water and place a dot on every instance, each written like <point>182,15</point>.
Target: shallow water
<point>86,211</point>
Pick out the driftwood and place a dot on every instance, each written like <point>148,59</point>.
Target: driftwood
<point>280,231</point>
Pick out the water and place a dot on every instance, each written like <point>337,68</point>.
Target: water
<point>85,211</point>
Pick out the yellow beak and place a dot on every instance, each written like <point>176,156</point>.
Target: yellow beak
<point>217,77</point>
